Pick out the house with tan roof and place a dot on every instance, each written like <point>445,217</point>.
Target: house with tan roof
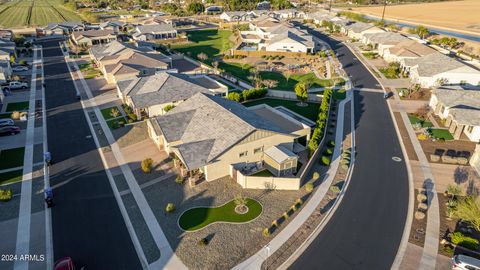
<point>461,110</point>
<point>437,69</point>
<point>118,61</point>
<point>153,32</point>
<point>216,137</point>
<point>148,96</point>
<point>382,40</point>
<point>93,37</point>
<point>356,30</point>
<point>407,49</point>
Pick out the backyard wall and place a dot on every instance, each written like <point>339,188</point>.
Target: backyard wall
<point>292,95</point>
<point>260,182</point>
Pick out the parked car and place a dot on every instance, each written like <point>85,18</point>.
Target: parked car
<point>9,130</point>
<point>20,68</point>
<point>6,122</point>
<point>463,262</point>
<point>14,85</point>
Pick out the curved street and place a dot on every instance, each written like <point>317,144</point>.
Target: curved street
<point>366,229</point>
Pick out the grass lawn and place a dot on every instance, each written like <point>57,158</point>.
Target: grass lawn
<point>11,177</point>
<point>113,123</point>
<point>442,134</point>
<point>370,55</point>
<point>414,120</point>
<point>199,217</point>
<point>209,41</point>
<point>236,69</point>
<point>310,112</point>
<point>17,106</point>
<point>106,112</point>
<point>11,158</point>
<point>289,85</point>
<point>340,94</point>
<point>264,173</point>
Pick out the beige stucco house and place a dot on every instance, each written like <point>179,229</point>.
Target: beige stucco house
<point>215,137</point>
<point>149,96</point>
<point>93,37</point>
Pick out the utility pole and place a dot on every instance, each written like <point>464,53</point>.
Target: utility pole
<point>330,6</point>
<point>384,6</point>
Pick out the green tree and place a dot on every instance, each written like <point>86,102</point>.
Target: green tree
<point>195,8</point>
<point>301,91</point>
<point>234,96</point>
<point>422,31</point>
<point>468,209</point>
<point>168,107</point>
<point>147,165</point>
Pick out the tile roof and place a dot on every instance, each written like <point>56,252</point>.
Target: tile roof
<point>437,63</point>
<point>92,33</point>
<point>206,126</point>
<point>464,104</point>
<point>155,28</point>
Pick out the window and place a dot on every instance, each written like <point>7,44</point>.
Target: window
<point>469,129</point>
<point>258,150</point>
<point>243,154</point>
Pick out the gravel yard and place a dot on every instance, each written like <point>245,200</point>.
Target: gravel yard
<point>229,244</point>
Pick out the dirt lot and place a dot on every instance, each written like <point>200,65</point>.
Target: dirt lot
<point>457,15</point>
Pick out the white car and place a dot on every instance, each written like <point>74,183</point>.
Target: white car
<point>20,68</point>
<point>463,262</point>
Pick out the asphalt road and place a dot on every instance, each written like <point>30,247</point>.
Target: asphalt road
<point>87,223</point>
<point>366,229</point>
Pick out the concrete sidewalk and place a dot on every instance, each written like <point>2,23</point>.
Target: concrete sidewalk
<point>168,259</point>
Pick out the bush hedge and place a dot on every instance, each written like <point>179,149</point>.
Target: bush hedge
<point>321,121</point>
<point>170,207</point>
<point>460,239</point>
<point>309,187</point>
<point>5,195</point>
<point>325,160</point>
<point>249,94</point>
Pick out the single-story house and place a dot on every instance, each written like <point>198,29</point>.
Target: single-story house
<point>437,69</point>
<point>407,49</point>
<point>382,40</point>
<point>461,110</point>
<point>211,135</point>
<point>119,61</point>
<point>237,16</point>
<point>288,14</point>
<point>62,28</point>
<point>93,37</point>
<point>356,30</point>
<point>115,26</point>
<point>149,95</point>
<point>154,32</point>
<point>6,34</point>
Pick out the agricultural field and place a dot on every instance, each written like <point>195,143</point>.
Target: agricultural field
<point>450,15</point>
<point>21,13</point>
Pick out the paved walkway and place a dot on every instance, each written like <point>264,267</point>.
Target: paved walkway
<point>256,261</point>
<point>24,217</point>
<point>168,259</point>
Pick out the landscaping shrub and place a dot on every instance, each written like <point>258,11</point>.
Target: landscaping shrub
<point>180,180</point>
<point>344,166</point>
<point>298,202</point>
<point>254,93</point>
<point>147,165</point>
<point>309,187</point>
<point>328,152</point>
<point>422,206</point>
<point>274,223</point>
<point>203,242</point>
<point>316,175</point>
<point>235,96</point>
<point>266,232</point>
<point>168,107</point>
<point>5,195</point>
<point>419,215</point>
<point>285,215</point>
<point>460,239</point>
<point>293,208</point>
<point>335,189</point>
<point>15,115</point>
<point>170,207</point>
<point>421,198</point>
<point>331,143</point>
<point>325,160</point>
<point>321,121</point>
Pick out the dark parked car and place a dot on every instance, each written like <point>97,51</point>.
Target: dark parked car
<point>9,130</point>
<point>6,122</point>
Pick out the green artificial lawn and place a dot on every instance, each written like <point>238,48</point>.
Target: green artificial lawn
<point>111,123</point>
<point>11,158</point>
<point>106,112</point>
<point>264,173</point>
<point>11,177</point>
<point>441,134</point>
<point>310,112</point>
<point>17,106</point>
<point>5,115</point>
<point>414,120</point>
<point>212,42</point>
<point>199,217</point>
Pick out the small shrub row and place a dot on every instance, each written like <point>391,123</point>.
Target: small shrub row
<point>321,121</point>
<point>325,160</point>
<point>273,57</point>
<point>275,224</point>
<point>226,57</point>
<point>132,117</point>
<point>460,239</point>
<point>249,94</point>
